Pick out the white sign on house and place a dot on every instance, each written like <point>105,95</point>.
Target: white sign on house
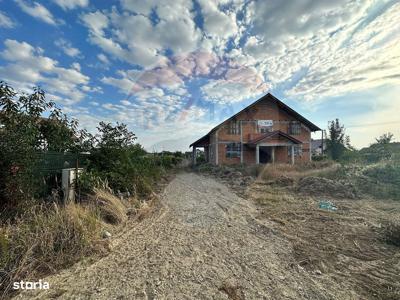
<point>265,123</point>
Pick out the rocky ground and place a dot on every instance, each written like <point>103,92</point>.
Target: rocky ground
<point>205,242</point>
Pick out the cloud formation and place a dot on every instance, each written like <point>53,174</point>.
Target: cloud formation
<point>27,66</point>
<point>37,11</point>
<point>67,48</point>
<point>5,21</point>
<point>71,4</point>
<point>161,62</point>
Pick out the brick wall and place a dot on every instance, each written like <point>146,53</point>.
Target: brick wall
<point>265,110</point>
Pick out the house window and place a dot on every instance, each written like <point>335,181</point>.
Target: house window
<point>234,127</point>
<point>294,128</point>
<point>298,150</point>
<point>233,150</point>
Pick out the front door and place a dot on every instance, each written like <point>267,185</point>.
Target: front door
<point>265,155</point>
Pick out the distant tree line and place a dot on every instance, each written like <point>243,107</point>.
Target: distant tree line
<point>340,149</point>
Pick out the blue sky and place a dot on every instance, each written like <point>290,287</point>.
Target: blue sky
<point>172,70</point>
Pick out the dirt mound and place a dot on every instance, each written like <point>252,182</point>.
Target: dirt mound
<point>281,181</point>
<point>323,186</point>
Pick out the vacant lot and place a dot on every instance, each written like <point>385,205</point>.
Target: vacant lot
<point>205,242</point>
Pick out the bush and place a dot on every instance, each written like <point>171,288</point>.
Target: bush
<point>89,181</point>
<point>387,173</point>
<point>382,180</point>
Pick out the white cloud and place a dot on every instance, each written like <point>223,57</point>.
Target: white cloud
<point>37,11</point>
<point>307,50</point>
<point>27,67</point>
<point>96,22</point>
<point>71,4</point>
<point>216,22</point>
<point>67,48</point>
<point>136,39</point>
<point>103,59</point>
<point>5,21</point>
<point>76,66</point>
<point>369,58</point>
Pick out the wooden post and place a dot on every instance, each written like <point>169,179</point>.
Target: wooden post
<point>292,154</point>
<point>273,155</point>
<point>241,142</point>
<point>257,154</point>
<point>194,156</point>
<point>216,147</point>
<point>322,142</point>
<point>76,187</point>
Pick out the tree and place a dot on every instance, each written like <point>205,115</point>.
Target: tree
<point>338,141</point>
<point>24,132</point>
<point>385,138</point>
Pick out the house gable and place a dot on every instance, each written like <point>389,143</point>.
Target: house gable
<point>243,128</point>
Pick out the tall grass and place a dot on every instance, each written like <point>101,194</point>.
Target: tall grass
<point>296,171</point>
<point>49,237</point>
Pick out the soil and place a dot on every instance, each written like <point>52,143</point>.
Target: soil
<point>205,242</point>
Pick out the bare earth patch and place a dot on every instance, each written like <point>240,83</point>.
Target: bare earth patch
<point>205,242</point>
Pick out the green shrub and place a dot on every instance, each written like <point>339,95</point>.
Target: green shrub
<point>382,180</point>
<point>387,173</point>
<point>89,181</point>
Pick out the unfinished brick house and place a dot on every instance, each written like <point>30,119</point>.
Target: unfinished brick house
<point>266,131</point>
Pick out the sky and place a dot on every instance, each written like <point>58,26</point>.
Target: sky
<point>172,70</point>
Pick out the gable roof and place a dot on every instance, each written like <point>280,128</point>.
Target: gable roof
<point>280,104</point>
<point>272,134</point>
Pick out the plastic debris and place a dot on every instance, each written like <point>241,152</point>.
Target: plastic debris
<point>327,205</point>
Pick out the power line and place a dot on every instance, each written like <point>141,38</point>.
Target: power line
<point>373,124</point>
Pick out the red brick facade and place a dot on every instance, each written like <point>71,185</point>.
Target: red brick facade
<point>231,142</point>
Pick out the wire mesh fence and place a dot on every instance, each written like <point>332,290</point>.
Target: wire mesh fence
<point>49,168</point>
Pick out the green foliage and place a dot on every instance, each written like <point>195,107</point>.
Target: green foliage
<point>24,132</point>
<point>124,164</point>
<point>88,181</point>
<point>375,153</point>
<point>380,180</point>
<point>319,157</point>
<point>387,173</point>
<point>385,138</point>
<point>337,142</point>
<point>115,158</point>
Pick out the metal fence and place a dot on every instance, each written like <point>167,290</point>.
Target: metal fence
<point>49,171</point>
<point>51,162</point>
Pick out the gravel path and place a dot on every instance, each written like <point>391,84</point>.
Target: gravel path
<point>203,243</point>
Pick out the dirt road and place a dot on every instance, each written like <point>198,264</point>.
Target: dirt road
<point>203,243</point>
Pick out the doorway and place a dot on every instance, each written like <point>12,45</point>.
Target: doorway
<point>265,155</point>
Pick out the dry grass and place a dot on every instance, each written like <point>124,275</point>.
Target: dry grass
<point>46,239</point>
<point>111,209</point>
<point>392,231</point>
<point>50,237</point>
<point>275,171</point>
<point>349,243</point>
